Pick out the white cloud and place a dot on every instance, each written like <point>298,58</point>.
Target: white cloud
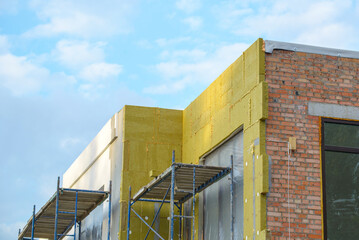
<point>100,71</point>
<point>97,79</point>
<point>87,62</point>
<point>193,22</point>
<point>331,23</point>
<point>4,44</point>
<point>168,88</point>
<point>338,40</point>
<point>87,59</point>
<point>62,80</point>
<point>90,91</point>
<point>69,142</point>
<point>20,75</point>
<point>178,75</point>
<point>164,54</point>
<point>194,54</point>
<point>229,16</point>
<point>77,54</point>
<point>188,6</point>
<point>144,44</point>
<point>83,18</point>
<point>163,42</point>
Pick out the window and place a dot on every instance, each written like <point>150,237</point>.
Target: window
<point>216,212</point>
<point>340,168</point>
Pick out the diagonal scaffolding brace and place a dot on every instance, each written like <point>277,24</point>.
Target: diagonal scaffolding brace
<point>158,212</point>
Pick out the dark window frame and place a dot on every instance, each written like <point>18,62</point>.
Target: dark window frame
<point>333,149</point>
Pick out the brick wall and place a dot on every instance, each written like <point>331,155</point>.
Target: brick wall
<point>294,79</point>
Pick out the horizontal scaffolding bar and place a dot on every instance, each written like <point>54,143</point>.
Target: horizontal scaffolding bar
<point>182,216</point>
<point>83,190</point>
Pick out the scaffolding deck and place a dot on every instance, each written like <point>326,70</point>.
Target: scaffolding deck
<point>205,176</point>
<point>45,218</point>
<point>176,185</point>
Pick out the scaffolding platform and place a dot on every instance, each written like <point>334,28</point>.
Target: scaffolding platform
<point>205,176</point>
<point>65,210</point>
<point>176,185</point>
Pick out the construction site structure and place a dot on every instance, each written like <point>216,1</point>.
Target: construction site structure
<point>281,124</point>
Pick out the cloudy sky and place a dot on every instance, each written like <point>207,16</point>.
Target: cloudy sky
<point>67,66</point>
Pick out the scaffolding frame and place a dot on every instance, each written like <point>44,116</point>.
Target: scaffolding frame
<point>205,175</point>
<point>84,202</point>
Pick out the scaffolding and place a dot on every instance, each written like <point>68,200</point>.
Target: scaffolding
<point>65,210</point>
<point>176,185</point>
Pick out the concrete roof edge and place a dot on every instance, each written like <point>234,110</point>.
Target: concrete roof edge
<point>272,45</point>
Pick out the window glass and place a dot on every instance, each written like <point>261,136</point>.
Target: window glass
<point>340,162</point>
<point>341,135</point>
<point>216,199</point>
<point>342,195</point>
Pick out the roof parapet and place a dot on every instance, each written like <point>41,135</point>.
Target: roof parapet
<point>272,45</point>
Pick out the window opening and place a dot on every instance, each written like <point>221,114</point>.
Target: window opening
<point>340,169</point>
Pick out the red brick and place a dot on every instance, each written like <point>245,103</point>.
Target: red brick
<point>316,78</point>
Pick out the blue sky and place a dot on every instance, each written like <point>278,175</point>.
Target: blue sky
<point>67,66</point>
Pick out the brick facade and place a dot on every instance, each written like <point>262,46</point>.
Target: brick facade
<point>294,79</point>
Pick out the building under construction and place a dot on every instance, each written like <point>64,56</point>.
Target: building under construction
<point>270,150</point>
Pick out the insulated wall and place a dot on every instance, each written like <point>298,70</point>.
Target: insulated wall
<point>100,162</point>
<point>150,135</point>
<point>236,99</point>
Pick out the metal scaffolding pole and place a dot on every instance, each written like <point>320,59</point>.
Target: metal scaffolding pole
<point>129,213</point>
<point>231,196</point>
<point>77,195</point>
<point>180,222</point>
<point>57,207</point>
<point>80,230</point>
<point>193,202</point>
<point>109,212</point>
<point>172,194</point>
<point>33,224</point>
